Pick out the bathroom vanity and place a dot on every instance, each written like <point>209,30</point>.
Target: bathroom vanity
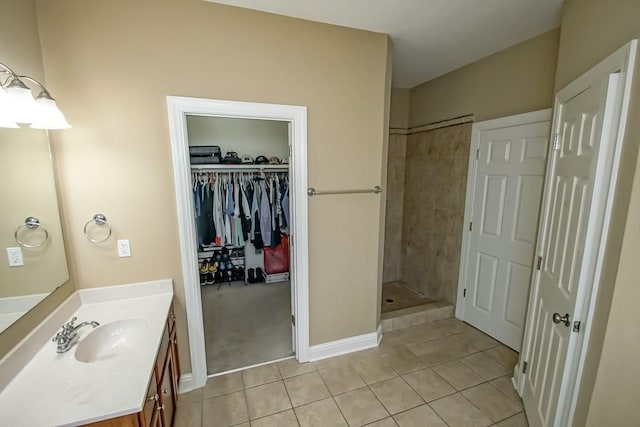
<point>124,372</point>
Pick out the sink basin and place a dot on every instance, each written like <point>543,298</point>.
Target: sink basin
<point>111,340</point>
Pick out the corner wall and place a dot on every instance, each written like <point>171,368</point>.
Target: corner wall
<point>516,80</point>
<point>114,62</point>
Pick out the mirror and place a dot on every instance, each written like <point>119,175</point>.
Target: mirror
<point>27,189</point>
<point>27,186</point>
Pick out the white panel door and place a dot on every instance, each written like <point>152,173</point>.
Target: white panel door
<point>506,204</point>
<point>568,255</point>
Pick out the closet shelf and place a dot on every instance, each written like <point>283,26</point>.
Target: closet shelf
<point>235,168</point>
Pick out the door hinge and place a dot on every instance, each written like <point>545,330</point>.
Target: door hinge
<point>290,152</point>
<point>293,320</point>
<point>471,226</point>
<point>556,141</point>
<point>525,365</point>
<point>464,293</point>
<point>478,154</point>
<point>539,265</point>
<point>576,326</point>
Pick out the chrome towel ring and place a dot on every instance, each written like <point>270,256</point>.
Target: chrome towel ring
<point>100,220</point>
<point>31,223</point>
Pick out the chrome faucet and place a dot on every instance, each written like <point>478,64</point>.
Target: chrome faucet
<point>68,336</point>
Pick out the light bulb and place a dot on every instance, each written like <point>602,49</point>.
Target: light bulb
<point>48,115</point>
<point>6,114</point>
<point>21,102</point>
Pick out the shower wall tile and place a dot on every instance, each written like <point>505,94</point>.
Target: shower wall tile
<point>432,217</point>
<point>392,264</point>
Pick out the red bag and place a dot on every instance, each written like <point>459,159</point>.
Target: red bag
<point>276,260</point>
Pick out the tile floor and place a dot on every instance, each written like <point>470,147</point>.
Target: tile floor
<point>443,373</point>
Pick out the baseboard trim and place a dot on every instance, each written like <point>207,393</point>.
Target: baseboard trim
<point>345,345</point>
<point>186,383</point>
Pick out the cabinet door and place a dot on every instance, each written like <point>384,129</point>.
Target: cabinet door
<point>152,403</point>
<point>173,348</point>
<point>167,393</point>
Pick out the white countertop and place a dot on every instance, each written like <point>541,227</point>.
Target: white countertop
<point>55,389</point>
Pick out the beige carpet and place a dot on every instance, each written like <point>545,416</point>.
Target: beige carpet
<point>246,325</point>
<point>397,295</point>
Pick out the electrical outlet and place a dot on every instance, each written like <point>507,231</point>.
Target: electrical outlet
<point>124,249</point>
<point>15,257</point>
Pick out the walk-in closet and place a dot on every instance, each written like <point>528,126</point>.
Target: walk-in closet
<point>242,217</point>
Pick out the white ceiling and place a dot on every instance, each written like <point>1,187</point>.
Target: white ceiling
<point>430,37</point>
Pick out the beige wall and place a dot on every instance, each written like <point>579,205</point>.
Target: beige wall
<point>591,30</point>
<point>114,62</point>
<point>20,50</point>
<point>399,116</point>
<point>516,80</point>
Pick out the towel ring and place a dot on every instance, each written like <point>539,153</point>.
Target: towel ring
<point>31,223</point>
<point>98,219</point>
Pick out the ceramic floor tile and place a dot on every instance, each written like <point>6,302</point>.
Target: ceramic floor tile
<point>458,375</point>
<point>223,411</point>
<point>457,411</point>
<point>191,397</point>
<point>429,385</point>
<point>341,379</point>
<point>518,420</point>
<point>373,369</point>
<point>402,360</point>
<point>477,340</point>
<point>454,325</point>
<point>492,402</point>
<point>281,419</point>
<point>387,422</point>
<point>323,413</point>
<point>485,366</point>
<point>440,350</point>
<point>267,399</point>
<point>505,385</point>
<point>260,375</point>
<point>422,416</point>
<point>333,362</point>
<point>396,395</point>
<point>291,368</point>
<point>360,407</point>
<point>503,355</point>
<point>306,388</point>
<point>217,386</point>
<point>421,333</point>
<point>189,415</point>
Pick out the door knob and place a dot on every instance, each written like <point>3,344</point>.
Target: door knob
<point>564,319</point>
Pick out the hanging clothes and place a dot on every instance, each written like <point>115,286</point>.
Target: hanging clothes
<point>231,209</point>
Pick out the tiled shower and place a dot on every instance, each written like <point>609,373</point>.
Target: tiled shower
<point>427,179</point>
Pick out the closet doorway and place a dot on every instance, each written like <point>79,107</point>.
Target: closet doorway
<point>240,171</point>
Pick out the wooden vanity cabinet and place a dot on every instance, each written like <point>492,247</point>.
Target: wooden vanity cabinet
<point>162,394</point>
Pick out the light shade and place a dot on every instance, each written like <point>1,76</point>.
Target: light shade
<point>48,115</point>
<point>22,102</point>
<point>6,113</point>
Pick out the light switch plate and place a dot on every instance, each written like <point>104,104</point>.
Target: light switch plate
<point>15,257</point>
<point>124,248</point>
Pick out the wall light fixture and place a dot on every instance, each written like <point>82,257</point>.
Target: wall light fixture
<point>17,105</point>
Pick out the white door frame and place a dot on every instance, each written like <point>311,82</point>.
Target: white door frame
<point>178,109</point>
<point>622,61</point>
<point>476,131</point>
